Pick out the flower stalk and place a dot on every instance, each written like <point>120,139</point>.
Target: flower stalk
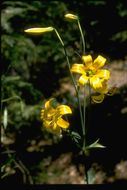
<point>84,102</point>
<point>82,37</point>
<point>72,78</point>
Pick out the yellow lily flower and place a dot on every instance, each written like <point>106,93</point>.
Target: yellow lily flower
<point>39,30</point>
<point>91,71</point>
<point>52,116</point>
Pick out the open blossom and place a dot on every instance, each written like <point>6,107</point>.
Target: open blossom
<point>92,72</point>
<point>51,116</point>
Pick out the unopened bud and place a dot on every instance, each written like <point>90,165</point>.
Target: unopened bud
<point>39,30</point>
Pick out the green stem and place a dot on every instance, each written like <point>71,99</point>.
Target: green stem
<point>81,114</point>
<point>82,37</point>
<point>84,119</point>
<point>61,41</point>
<point>72,78</point>
<point>85,156</point>
<point>13,97</point>
<point>86,169</point>
<point>84,108</point>
<point>84,103</point>
<point>89,94</point>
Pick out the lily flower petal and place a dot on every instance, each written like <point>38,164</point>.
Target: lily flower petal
<point>103,89</point>
<point>49,109</point>
<point>98,98</point>
<point>87,59</point>
<point>39,30</point>
<point>95,82</point>
<point>50,103</point>
<point>78,68</point>
<point>62,123</point>
<point>103,73</point>
<point>63,109</point>
<point>83,80</point>
<point>99,62</point>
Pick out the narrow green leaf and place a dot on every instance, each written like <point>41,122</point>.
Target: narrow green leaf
<point>91,145</point>
<point>95,145</point>
<point>98,145</point>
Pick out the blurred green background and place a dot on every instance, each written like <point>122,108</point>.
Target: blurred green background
<point>33,66</point>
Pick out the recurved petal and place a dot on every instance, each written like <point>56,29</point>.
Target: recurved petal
<point>83,80</point>
<point>99,62</point>
<point>98,98</point>
<point>39,30</point>
<point>64,109</point>
<point>87,59</point>
<point>51,104</point>
<point>62,123</point>
<point>104,74</point>
<point>78,68</point>
<point>49,111</point>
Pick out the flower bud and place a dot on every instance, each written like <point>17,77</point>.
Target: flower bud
<point>71,16</point>
<point>39,30</point>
